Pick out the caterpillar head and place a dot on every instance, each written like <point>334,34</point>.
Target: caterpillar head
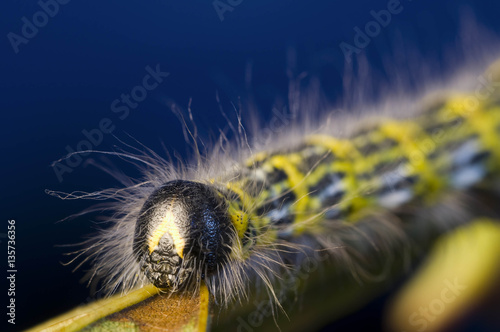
<point>183,233</point>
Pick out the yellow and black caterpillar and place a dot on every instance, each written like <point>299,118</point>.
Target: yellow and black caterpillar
<point>188,231</point>
<point>235,224</point>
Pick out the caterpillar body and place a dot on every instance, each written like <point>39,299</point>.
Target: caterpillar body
<point>381,187</point>
<point>214,229</point>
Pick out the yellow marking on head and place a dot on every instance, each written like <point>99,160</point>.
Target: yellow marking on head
<point>168,226</point>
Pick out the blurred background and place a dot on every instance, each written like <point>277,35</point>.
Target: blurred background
<point>67,66</point>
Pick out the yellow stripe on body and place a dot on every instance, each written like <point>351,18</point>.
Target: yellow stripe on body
<point>416,146</point>
<point>258,157</point>
<point>240,218</point>
<point>313,179</point>
<point>483,122</point>
<point>246,199</point>
<point>295,181</point>
<point>168,226</point>
<point>487,124</point>
<point>340,147</point>
<point>243,218</point>
<point>347,160</point>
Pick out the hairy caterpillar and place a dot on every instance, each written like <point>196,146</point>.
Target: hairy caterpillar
<point>255,216</point>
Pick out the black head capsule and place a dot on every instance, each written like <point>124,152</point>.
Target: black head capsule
<point>183,233</point>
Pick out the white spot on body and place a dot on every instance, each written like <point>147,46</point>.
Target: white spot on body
<point>467,176</point>
<point>279,214</point>
<point>395,198</point>
<point>333,189</point>
<point>465,153</point>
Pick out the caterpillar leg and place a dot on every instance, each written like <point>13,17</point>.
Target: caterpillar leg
<point>460,271</point>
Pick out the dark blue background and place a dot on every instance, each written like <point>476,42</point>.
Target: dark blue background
<point>66,77</point>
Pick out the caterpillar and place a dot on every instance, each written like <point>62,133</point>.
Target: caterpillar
<point>241,220</point>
